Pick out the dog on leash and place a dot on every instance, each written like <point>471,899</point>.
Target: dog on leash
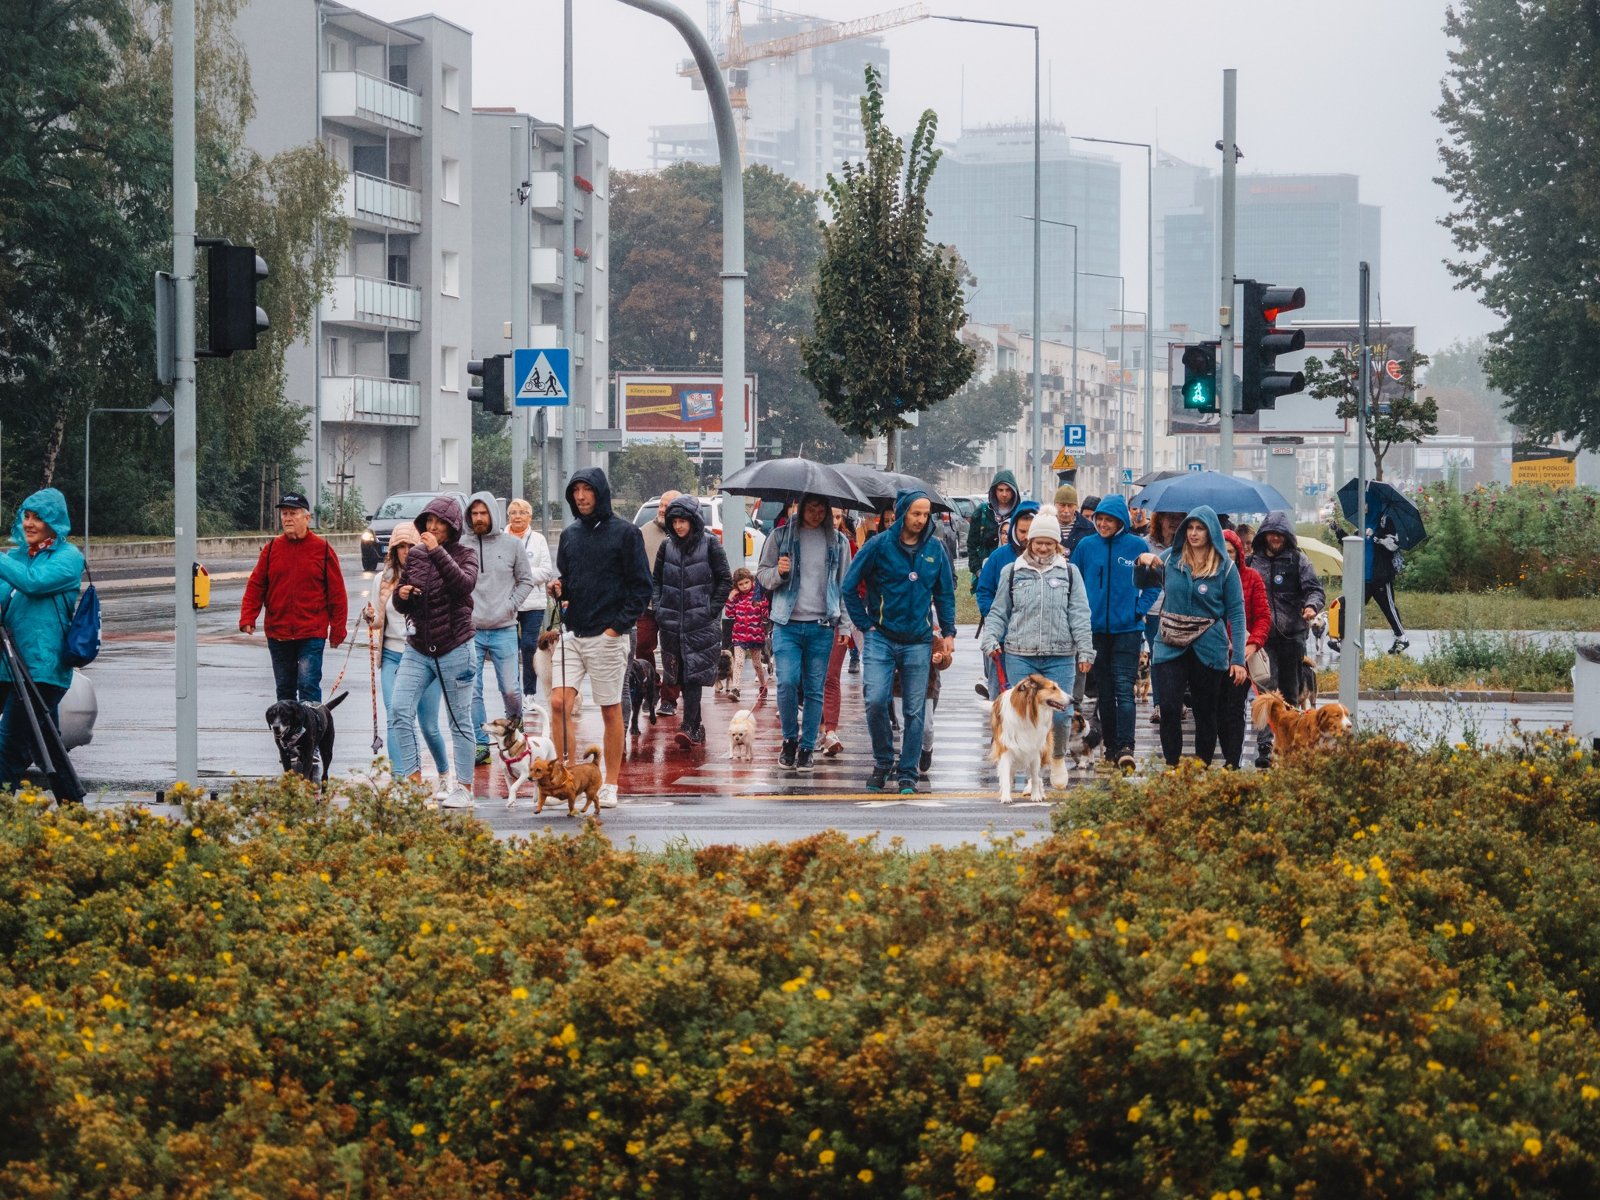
<point>517,753</point>
<point>644,692</point>
<point>1141,679</point>
<point>742,737</point>
<point>1020,722</point>
<point>1294,729</point>
<point>725,673</point>
<point>585,779</point>
<point>1085,740</point>
<point>544,670</point>
<point>1321,652</point>
<point>304,735</point>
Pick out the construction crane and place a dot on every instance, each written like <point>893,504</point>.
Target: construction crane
<point>736,55</point>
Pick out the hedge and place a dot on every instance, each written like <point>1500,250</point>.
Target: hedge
<point>1366,975</point>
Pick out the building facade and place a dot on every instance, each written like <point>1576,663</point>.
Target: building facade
<point>383,374</point>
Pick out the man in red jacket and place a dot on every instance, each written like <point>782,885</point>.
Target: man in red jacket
<point>298,581</point>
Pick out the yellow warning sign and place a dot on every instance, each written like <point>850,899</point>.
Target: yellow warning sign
<point>1550,472</point>
<point>1064,462</point>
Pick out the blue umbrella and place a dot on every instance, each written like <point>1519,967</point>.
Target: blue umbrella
<point>1383,500</point>
<point>1225,493</point>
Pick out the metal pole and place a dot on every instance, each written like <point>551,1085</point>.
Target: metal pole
<point>1122,379</point>
<point>517,244</point>
<point>184,500</point>
<point>1225,396</point>
<point>733,273</point>
<point>87,419</point>
<point>569,300</point>
<point>1038,228</point>
<point>1352,648</point>
<point>1149,303</point>
<point>1077,404</point>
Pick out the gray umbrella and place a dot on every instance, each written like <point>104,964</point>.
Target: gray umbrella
<point>883,486</point>
<point>790,478</point>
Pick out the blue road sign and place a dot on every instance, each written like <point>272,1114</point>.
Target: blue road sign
<point>1197,466</point>
<point>541,378</point>
<point>1127,474</point>
<point>1074,435</point>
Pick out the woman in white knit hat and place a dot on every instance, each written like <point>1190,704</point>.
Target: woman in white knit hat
<point>1040,616</point>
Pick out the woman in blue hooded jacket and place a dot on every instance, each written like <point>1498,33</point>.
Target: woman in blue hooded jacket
<point>1202,634</point>
<point>39,582</point>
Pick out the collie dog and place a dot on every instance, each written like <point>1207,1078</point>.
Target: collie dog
<point>1019,724</point>
<point>1295,729</point>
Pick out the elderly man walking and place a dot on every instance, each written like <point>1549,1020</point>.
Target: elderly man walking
<point>298,581</point>
<point>503,583</point>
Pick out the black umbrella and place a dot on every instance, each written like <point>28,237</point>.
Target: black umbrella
<point>790,478</point>
<point>1156,477</point>
<point>1384,500</point>
<point>882,487</point>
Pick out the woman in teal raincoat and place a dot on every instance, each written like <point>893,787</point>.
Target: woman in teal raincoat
<point>39,582</point>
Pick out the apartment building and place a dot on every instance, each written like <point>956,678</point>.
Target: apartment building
<point>519,197</point>
<point>383,374</point>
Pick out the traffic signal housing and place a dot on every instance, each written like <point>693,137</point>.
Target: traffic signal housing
<point>1263,341</point>
<point>490,388</point>
<point>235,319</point>
<point>1200,378</point>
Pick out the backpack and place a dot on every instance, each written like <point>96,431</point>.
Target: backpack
<point>83,630</point>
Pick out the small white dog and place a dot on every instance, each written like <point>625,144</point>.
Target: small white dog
<point>742,737</point>
<point>1020,724</point>
<point>544,670</point>
<point>515,753</point>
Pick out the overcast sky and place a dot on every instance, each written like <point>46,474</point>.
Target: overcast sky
<point>1346,86</point>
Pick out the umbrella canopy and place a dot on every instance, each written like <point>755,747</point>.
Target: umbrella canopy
<point>1225,493</point>
<point>1383,499</point>
<point>883,486</point>
<point>1156,477</point>
<point>1324,557</point>
<point>790,478</point>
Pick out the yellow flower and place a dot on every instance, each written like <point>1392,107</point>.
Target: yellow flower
<point>825,1158</point>
<point>1240,979</point>
<point>1532,1147</point>
<point>813,1135</point>
<point>753,909</point>
<point>893,951</point>
<point>1233,934</point>
<point>1135,1114</point>
<point>1198,958</point>
<point>425,928</point>
<point>823,993</point>
<point>325,877</point>
<point>1317,1085</point>
<point>865,1175</point>
<point>969,1142</point>
<point>635,1148</point>
<point>519,993</point>
<point>418,1129</point>
<point>974,1080</point>
<point>1434,1065</point>
<point>985,1183</point>
<point>1590,1092</point>
<point>1240,1148</point>
<point>641,1069</point>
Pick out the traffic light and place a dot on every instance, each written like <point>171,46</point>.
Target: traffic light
<point>1200,378</point>
<point>490,391</point>
<point>1263,342</point>
<point>235,319</point>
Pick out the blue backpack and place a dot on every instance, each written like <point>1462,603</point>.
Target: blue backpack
<point>83,630</point>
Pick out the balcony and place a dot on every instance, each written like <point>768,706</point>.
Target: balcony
<point>550,335</point>
<point>381,206</point>
<point>367,102</point>
<point>370,303</point>
<point>547,192</point>
<point>545,269</point>
<point>366,400</point>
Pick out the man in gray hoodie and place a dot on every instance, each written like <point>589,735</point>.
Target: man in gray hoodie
<point>504,581</point>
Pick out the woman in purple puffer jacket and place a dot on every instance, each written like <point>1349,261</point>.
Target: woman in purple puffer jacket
<point>435,595</point>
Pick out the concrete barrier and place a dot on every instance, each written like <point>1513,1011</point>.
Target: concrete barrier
<point>220,548</point>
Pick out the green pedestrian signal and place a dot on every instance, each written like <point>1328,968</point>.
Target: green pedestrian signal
<point>1200,378</point>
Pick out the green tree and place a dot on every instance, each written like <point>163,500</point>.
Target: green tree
<point>647,469</point>
<point>1395,414</point>
<point>1522,107</point>
<point>666,312</point>
<point>952,433</point>
<point>889,303</point>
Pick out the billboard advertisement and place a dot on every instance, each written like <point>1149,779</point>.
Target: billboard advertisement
<point>686,408</point>
<point>1301,413</point>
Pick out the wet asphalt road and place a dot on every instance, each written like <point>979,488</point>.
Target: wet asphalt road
<point>670,793</point>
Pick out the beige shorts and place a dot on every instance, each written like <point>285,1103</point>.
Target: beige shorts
<point>601,660</point>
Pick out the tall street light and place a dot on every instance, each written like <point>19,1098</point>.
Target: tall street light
<point>1038,407</point>
<point>1076,417</point>
<point>1149,282</point>
<point>1122,367</point>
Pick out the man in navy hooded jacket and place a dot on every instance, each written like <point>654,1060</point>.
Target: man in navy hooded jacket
<point>907,578</point>
<point>1116,617</point>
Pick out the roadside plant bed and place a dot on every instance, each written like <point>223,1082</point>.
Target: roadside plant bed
<point>1368,975</point>
<point>1469,660</point>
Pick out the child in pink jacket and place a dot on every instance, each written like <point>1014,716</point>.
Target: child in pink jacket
<point>748,606</point>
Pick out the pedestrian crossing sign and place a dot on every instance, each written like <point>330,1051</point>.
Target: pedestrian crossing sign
<point>541,377</point>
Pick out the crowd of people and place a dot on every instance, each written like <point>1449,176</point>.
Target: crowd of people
<point>1092,595</point>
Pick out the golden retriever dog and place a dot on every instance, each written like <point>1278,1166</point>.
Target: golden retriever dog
<point>1295,729</point>
<point>1019,726</point>
<point>555,778</point>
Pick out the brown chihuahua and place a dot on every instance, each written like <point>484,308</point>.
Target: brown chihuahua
<point>557,779</point>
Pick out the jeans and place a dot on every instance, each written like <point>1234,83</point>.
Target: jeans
<point>1204,684</point>
<point>831,691</point>
<point>1116,664</point>
<point>427,714</point>
<point>1060,669</point>
<point>800,652</point>
<point>16,734</point>
<point>880,658</point>
<point>529,626</point>
<point>497,646</point>
<point>297,668</point>
<point>454,672</point>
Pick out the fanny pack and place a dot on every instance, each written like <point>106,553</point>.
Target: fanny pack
<point>1180,630</point>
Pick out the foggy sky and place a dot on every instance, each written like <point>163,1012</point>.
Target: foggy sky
<point>1337,86</point>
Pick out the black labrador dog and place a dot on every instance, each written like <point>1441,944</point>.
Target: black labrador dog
<point>644,691</point>
<point>304,734</point>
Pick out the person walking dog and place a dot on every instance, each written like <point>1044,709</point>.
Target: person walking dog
<point>298,582</point>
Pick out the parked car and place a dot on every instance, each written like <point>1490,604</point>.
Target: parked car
<point>711,513</point>
<point>402,506</point>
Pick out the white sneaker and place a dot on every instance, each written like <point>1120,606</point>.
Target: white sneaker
<point>460,797</point>
<point>608,795</point>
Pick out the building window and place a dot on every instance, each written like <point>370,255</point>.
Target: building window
<point>449,462</point>
<point>450,88</point>
<point>450,272</point>
<point>449,368</point>
<point>450,181</point>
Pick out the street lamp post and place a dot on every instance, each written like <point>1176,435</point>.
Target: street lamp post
<point>1076,416</point>
<point>1122,367</point>
<point>1038,405</point>
<point>1149,283</point>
